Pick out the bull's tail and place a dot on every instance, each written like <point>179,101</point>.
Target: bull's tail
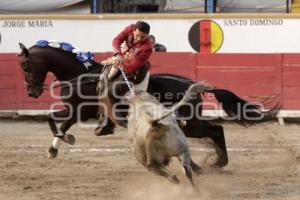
<point>193,90</point>
<point>243,111</point>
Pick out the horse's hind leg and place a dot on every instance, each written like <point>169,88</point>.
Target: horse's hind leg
<point>200,129</point>
<point>216,134</point>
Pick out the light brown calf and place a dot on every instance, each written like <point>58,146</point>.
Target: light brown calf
<point>155,136</point>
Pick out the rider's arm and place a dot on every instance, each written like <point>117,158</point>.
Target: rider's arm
<point>120,38</point>
<point>139,60</point>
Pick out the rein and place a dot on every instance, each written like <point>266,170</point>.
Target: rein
<point>76,79</point>
<point>125,78</point>
<point>44,86</point>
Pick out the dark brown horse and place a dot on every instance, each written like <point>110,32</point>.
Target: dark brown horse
<point>36,62</point>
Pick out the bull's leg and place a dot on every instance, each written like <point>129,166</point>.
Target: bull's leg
<point>185,158</point>
<point>59,134</point>
<point>162,171</point>
<point>196,168</point>
<point>200,129</point>
<point>149,149</point>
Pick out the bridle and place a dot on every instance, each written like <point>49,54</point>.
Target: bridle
<point>29,79</point>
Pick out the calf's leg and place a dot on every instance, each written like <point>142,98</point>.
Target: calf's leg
<point>186,162</point>
<point>161,170</point>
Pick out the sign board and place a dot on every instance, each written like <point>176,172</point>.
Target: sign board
<point>228,35</point>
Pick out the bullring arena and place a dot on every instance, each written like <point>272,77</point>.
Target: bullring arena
<point>263,164</point>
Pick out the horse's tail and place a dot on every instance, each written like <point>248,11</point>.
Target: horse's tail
<point>243,111</point>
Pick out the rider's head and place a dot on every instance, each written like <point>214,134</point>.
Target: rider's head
<point>141,31</point>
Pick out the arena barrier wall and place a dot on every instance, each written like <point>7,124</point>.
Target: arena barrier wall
<point>255,77</point>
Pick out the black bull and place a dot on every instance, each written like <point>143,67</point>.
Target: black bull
<point>36,62</point>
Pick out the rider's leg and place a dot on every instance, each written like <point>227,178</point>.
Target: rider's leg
<point>113,72</point>
<point>120,90</point>
<point>144,84</point>
<point>105,125</point>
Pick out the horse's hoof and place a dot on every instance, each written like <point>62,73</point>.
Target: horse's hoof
<point>52,153</point>
<point>222,162</point>
<point>69,138</point>
<point>106,130</point>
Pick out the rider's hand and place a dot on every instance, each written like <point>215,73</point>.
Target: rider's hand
<point>118,60</point>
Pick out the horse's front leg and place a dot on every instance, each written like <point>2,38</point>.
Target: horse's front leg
<point>60,134</point>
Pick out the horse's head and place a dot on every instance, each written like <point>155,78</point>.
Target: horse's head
<point>34,70</point>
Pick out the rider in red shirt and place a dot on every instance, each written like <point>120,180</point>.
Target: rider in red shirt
<point>136,49</point>
<point>132,49</point>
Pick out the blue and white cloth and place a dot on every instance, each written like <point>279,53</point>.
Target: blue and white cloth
<point>86,58</point>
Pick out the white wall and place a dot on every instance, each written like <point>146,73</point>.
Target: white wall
<point>252,35</point>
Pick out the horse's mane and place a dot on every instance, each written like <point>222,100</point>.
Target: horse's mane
<point>70,55</point>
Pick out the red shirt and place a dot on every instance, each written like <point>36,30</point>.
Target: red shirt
<point>136,55</point>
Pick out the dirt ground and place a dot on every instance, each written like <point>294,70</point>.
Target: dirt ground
<point>263,164</point>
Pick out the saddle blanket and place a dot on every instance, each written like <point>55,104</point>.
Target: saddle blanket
<point>86,58</point>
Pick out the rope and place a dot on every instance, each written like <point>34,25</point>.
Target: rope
<point>127,82</point>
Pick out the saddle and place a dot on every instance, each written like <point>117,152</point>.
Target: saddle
<point>138,76</point>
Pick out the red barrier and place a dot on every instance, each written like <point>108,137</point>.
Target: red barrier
<point>182,64</point>
<point>8,81</point>
<point>251,76</point>
<point>290,81</point>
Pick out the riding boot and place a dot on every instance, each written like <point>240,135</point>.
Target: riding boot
<point>108,129</point>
